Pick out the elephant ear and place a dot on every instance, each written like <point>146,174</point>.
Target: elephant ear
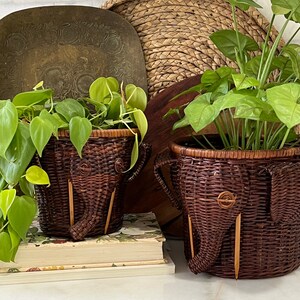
<point>213,208</point>
<point>284,197</point>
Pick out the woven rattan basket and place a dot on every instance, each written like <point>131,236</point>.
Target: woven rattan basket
<point>216,188</point>
<point>175,35</point>
<point>85,196</point>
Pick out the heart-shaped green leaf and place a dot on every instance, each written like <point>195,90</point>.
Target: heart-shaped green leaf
<point>21,214</point>
<point>244,4</point>
<point>37,175</point>
<point>136,97</point>
<point>200,112</point>
<point>26,187</point>
<point>134,152</point>
<point>8,125</point>
<point>226,41</point>
<point>241,81</point>
<point>80,131</point>
<point>32,97</point>
<point>284,99</point>
<point>141,122</point>
<point>41,131</point>
<point>70,108</point>
<point>20,152</point>
<point>7,197</point>
<point>292,51</point>
<point>5,247</point>
<point>103,87</point>
<point>114,110</point>
<point>55,122</point>
<point>15,242</point>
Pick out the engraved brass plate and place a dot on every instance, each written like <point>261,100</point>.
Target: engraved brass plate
<point>67,47</point>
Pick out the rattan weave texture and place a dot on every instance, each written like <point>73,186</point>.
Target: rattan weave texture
<point>94,178</point>
<point>267,191</point>
<point>175,35</point>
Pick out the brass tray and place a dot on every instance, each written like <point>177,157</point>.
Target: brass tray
<point>67,47</point>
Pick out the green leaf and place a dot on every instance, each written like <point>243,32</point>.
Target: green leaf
<point>253,108</point>
<point>70,108</point>
<point>5,248</point>
<point>114,108</point>
<point>21,214</point>
<point>8,124</point>
<point>294,55</point>
<point>285,7</point>
<point>277,10</point>
<point>226,42</point>
<point>141,122</point>
<point>15,242</point>
<point>80,131</point>
<point>241,81</point>
<point>2,182</point>
<point>37,175</point>
<point>181,123</point>
<point>136,97</point>
<point>26,187</point>
<point>103,87</point>
<point>244,4</point>
<point>7,197</point>
<point>19,153</point>
<point>196,88</point>
<point>32,97</point>
<point>200,112</point>
<point>50,119</point>
<point>40,131</point>
<point>284,99</point>
<point>210,77</point>
<point>134,152</point>
<point>59,121</point>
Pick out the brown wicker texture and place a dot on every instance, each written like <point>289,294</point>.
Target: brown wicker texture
<point>175,35</point>
<point>266,191</point>
<point>94,178</point>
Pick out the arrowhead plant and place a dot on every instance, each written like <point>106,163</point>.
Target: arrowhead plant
<point>256,105</point>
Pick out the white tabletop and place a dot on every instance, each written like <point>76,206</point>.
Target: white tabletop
<point>181,285</point>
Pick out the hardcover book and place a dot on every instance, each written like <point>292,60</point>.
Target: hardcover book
<point>136,247</point>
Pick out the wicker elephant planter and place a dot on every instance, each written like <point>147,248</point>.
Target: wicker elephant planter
<point>241,208</point>
<point>85,196</point>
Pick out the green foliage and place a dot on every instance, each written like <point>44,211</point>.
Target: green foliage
<point>80,131</point>
<point>29,121</point>
<point>257,106</point>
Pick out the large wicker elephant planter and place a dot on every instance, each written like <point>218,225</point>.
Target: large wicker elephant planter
<point>223,193</point>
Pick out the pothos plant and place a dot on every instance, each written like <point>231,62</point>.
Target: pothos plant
<point>257,105</point>
<point>30,119</point>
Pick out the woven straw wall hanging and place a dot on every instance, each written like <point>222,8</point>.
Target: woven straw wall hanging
<point>175,35</point>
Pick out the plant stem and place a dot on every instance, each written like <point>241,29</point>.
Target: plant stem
<point>284,138</point>
<point>266,69</point>
<point>208,142</point>
<point>3,227</point>
<point>221,133</point>
<point>273,136</point>
<point>198,142</point>
<point>291,38</point>
<point>241,66</point>
<point>265,45</point>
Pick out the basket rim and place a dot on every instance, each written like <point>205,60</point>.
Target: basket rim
<point>99,133</point>
<point>231,154</point>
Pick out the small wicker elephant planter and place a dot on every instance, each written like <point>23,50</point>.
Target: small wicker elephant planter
<point>241,209</point>
<point>85,196</point>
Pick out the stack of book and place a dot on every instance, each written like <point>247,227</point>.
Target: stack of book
<point>137,249</point>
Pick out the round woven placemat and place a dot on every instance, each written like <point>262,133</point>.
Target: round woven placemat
<point>175,35</point>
